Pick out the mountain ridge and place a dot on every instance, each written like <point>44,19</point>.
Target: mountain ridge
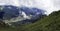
<point>15,14</point>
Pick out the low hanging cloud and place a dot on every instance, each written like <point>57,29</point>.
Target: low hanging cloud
<point>48,5</point>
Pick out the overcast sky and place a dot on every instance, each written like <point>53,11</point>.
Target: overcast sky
<point>48,5</point>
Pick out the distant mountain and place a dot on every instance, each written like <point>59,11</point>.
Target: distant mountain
<point>20,14</point>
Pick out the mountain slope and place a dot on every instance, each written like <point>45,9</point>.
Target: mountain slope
<point>16,14</point>
<point>50,23</point>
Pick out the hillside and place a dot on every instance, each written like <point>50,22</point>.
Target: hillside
<point>49,23</point>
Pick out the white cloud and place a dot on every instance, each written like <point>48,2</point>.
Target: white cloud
<point>48,5</point>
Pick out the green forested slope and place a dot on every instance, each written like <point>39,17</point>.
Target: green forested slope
<point>49,23</point>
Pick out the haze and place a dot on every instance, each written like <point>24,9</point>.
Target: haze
<point>48,5</point>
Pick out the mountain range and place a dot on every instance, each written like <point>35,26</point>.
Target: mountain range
<point>20,14</point>
<point>48,23</point>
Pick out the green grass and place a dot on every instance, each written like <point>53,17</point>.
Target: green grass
<point>49,23</point>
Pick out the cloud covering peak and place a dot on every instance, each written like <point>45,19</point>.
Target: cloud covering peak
<point>48,5</point>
